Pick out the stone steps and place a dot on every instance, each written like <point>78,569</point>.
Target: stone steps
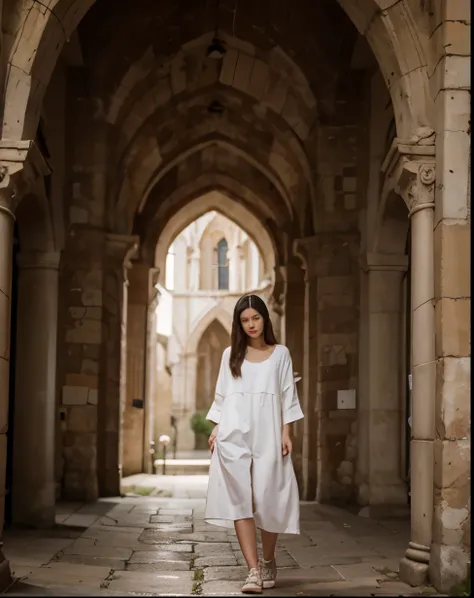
<point>183,466</point>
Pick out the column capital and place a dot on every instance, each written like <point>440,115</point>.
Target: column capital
<point>120,250</point>
<point>305,249</point>
<point>416,185</point>
<point>21,165</point>
<point>383,262</point>
<point>409,169</point>
<point>35,260</point>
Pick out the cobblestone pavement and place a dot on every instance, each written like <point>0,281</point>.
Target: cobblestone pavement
<point>148,546</point>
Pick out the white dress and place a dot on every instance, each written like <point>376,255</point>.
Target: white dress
<point>248,475</point>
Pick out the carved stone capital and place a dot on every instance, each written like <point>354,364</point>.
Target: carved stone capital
<point>21,165</point>
<point>416,183</point>
<point>120,250</point>
<point>409,170</point>
<point>306,250</point>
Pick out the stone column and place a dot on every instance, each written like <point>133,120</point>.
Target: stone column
<point>187,438</point>
<point>416,186</point>
<point>233,257</point>
<point>7,220</point>
<point>380,409</point>
<point>307,250</point>
<point>142,292</point>
<point>294,329</point>
<point>119,251</point>
<point>150,374</point>
<point>195,269</point>
<point>35,397</point>
<point>27,165</point>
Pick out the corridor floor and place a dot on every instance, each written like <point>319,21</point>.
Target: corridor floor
<point>160,545</point>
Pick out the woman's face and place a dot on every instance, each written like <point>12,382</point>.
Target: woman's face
<point>252,322</point>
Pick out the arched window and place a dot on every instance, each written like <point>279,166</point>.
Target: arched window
<point>222,266</point>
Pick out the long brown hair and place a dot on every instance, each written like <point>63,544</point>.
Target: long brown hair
<point>239,339</point>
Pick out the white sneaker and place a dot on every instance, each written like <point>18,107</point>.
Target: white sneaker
<point>253,583</point>
<point>268,572</point>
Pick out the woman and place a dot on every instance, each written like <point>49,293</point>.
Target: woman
<point>251,479</point>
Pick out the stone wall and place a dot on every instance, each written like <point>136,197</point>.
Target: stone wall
<point>340,155</point>
<point>80,337</point>
<point>451,550</point>
<point>79,361</point>
<point>337,314</point>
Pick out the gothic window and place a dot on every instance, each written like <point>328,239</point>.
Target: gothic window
<point>222,266</point>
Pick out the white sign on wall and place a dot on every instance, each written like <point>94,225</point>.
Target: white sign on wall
<point>346,399</point>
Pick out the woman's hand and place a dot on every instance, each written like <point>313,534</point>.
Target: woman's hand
<point>286,444</point>
<point>212,438</point>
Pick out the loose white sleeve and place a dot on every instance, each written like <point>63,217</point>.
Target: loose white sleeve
<point>214,414</point>
<point>291,408</point>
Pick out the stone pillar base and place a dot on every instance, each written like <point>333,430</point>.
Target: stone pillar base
<point>412,572</point>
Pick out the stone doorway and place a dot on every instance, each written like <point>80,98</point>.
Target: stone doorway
<point>210,348</point>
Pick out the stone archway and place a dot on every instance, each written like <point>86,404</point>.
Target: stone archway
<point>221,203</point>
<point>218,313</point>
<point>410,45</point>
<point>44,30</point>
<point>212,343</point>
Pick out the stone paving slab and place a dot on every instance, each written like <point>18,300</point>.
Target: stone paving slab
<point>215,560</point>
<point>73,575</point>
<point>156,546</point>
<point>151,557</point>
<point>94,561</point>
<point>159,583</point>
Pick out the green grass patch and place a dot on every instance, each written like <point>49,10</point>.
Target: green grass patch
<point>198,580</point>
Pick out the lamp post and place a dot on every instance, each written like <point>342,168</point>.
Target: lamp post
<point>164,440</point>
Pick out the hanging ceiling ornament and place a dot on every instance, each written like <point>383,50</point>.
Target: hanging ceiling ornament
<point>216,49</point>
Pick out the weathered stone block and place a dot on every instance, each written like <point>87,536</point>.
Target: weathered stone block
<point>451,516</point>
<point>82,419</point>
<point>74,395</point>
<point>334,373</point>
<point>90,366</point>
<point>85,331</point>
<point>92,297</point>
<point>276,93</point>
<point>452,459</point>
<point>77,313</point>
<point>453,157</point>
<point>453,404</point>
<point>82,380</point>
<point>448,566</point>
<point>452,243</point>
<point>333,355</point>
<point>453,318</point>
